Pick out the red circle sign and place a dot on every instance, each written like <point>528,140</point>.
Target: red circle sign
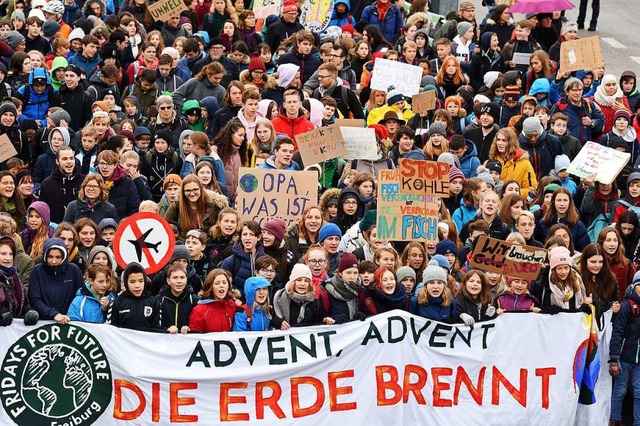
<point>145,238</point>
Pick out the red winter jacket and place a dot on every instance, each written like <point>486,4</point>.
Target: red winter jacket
<point>292,127</point>
<point>210,316</point>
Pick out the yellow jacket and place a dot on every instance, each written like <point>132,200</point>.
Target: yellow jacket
<point>519,168</point>
<point>377,114</point>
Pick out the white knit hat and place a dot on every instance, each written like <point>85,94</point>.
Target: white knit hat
<point>300,270</point>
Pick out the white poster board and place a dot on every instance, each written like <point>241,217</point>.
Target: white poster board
<point>603,162</point>
<point>360,143</point>
<point>404,77</point>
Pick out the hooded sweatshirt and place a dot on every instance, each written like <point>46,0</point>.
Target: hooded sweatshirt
<point>634,95</point>
<point>46,163</point>
<point>259,319</point>
<point>176,310</point>
<point>134,312</point>
<point>52,288</point>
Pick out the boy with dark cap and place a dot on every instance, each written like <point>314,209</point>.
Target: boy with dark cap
<point>483,135</point>
<point>73,98</point>
<point>495,169</point>
<point>510,105</point>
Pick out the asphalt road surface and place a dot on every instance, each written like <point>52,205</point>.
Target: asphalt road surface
<point>618,27</point>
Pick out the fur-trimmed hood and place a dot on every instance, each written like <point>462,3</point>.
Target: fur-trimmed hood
<point>326,196</point>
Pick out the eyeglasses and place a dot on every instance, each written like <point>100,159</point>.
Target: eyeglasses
<point>91,187</point>
<point>317,262</point>
<point>165,108</point>
<point>268,271</point>
<point>103,164</point>
<point>191,191</point>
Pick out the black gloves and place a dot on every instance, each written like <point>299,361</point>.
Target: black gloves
<point>614,367</point>
<point>551,310</point>
<point>586,309</point>
<point>31,317</point>
<point>360,316</point>
<point>6,319</point>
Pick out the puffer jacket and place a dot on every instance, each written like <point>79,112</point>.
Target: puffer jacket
<point>519,168</point>
<point>390,25</point>
<point>464,305</point>
<point>308,63</point>
<point>53,288</point>
<point>241,265</point>
<point>340,19</point>
<point>260,320</point>
<point>292,126</point>
<point>86,306</point>
<point>542,155</point>
<point>36,106</point>
<point>213,315</point>
<point>469,162</point>
<point>434,310</point>
<point>575,113</point>
<point>78,209</point>
<point>625,337</point>
<point>464,214</point>
<point>516,302</point>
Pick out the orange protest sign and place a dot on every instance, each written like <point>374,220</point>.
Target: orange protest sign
<point>422,177</point>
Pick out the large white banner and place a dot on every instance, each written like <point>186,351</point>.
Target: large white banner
<point>392,369</point>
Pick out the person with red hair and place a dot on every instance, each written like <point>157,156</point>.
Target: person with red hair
<point>450,78</point>
<point>386,294</point>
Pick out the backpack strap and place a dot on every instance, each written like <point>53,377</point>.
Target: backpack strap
<point>247,310</point>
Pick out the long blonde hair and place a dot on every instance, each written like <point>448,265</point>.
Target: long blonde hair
<point>423,295</point>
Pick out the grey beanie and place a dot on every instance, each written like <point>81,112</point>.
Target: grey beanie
<point>15,39</point>
<point>437,128</point>
<point>18,14</point>
<point>405,272</point>
<point>463,27</point>
<point>633,176</point>
<point>60,115</point>
<point>485,175</point>
<point>434,272</point>
<point>531,125</point>
<point>450,159</point>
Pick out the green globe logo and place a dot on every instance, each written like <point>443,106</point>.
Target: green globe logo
<point>248,183</point>
<point>56,373</point>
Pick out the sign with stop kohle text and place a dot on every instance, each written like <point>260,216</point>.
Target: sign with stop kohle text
<point>423,177</point>
<point>513,260</point>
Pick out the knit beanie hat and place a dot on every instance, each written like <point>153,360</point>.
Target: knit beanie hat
<point>405,272</point>
<point>275,226</point>
<point>26,124</point>
<point>171,179</point>
<point>636,279</point>
<point>483,173</point>
<point>442,262</point>
<point>511,93</point>
<point>368,221</point>
<point>437,128</point>
<point>163,134</point>
<point>622,113</point>
<point>106,223</point>
<point>76,33</point>
<point>446,246</point>
<point>19,15</point>
<point>381,131</point>
<point>393,96</point>
<point>481,99</point>
<point>300,270</point>
<point>559,256</point>
<point>8,106</point>
<point>562,163</point>
<point>256,63</point>
<point>14,39</point>
<point>60,115</point>
<point>449,158</point>
<point>332,33</point>
<point>569,26</point>
<point>102,105</point>
<point>50,28</point>
<point>463,27</point>
<point>329,230</point>
<point>633,176</point>
<point>109,50</point>
<point>180,252</point>
<point>493,109</point>
<point>455,173</point>
<point>433,272</point>
<point>348,28</point>
<point>531,125</point>
<point>550,189</point>
<point>289,6</point>
<point>347,261</point>
<point>141,131</point>
<point>494,166</point>
<point>616,141</point>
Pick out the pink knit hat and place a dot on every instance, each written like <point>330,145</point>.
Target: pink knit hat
<point>559,256</point>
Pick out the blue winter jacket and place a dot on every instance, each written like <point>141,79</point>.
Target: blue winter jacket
<point>241,265</point>
<point>575,114</point>
<point>625,337</point>
<point>578,232</point>
<point>86,306</point>
<point>36,106</point>
<point>53,288</point>
<point>469,162</point>
<point>342,19</point>
<point>392,23</point>
<point>434,310</point>
<point>87,64</point>
<point>260,320</point>
<point>540,85</point>
<point>464,214</point>
<point>543,154</point>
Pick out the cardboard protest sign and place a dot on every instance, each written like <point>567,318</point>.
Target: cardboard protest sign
<point>423,177</point>
<point>404,77</point>
<point>501,257</point>
<point>422,103</point>
<point>404,217</point>
<point>316,14</point>
<point>360,144</point>
<point>581,54</point>
<point>264,8</point>
<point>599,160</point>
<point>7,150</point>
<point>321,144</point>
<point>267,194</point>
<point>349,122</point>
<point>165,9</point>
